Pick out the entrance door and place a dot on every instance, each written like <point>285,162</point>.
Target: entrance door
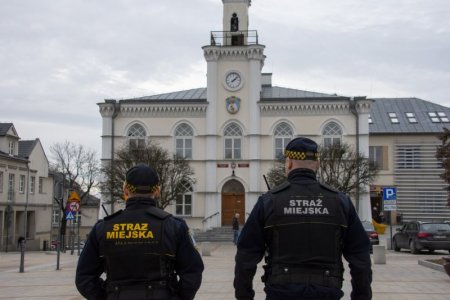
<point>233,201</point>
<point>232,204</point>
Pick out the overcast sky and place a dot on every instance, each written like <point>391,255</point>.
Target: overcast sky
<point>59,58</point>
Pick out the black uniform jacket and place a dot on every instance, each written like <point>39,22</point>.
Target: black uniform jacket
<point>251,248</point>
<point>188,263</point>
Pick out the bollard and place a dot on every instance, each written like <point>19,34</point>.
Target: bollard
<point>379,254</point>
<point>206,248</point>
<point>388,244</point>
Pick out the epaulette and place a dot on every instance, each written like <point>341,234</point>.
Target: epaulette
<point>113,215</point>
<point>280,187</point>
<point>327,187</point>
<point>159,213</point>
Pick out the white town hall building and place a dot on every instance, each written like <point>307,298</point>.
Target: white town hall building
<point>233,130</point>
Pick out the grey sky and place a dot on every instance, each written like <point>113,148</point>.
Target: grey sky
<point>59,58</point>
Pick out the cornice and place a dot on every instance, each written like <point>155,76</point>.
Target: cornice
<point>213,53</point>
<point>167,110</point>
<point>272,109</point>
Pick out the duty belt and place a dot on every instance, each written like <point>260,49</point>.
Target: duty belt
<point>151,289</point>
<point>285,275</point>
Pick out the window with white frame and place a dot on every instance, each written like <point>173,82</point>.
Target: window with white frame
<point>370,119</point>
<point>41,185</point>
<point>282,136</point>
<point>11,186</point>
<point>1,182</point>
<point>183,204</point>
<point>233,141</point>
<point>136,136</point>
<point>411,117</point>
<point>22,184</point>
<point>438,117</point>
<point>393,117</point>
<point>11,148</point>
<point>55,216</point>
<point>32,184</point>
<point>332,134</point>
<point>183,140</point>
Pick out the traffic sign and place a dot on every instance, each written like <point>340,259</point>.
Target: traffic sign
<point>73,206</point>
<point>69,215</point>
<point>73,197</point>
<point>389,198</point>
<point>389,193</point>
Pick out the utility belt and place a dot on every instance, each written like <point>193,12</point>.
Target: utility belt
<point>118,290</point>
<point>286,274</point>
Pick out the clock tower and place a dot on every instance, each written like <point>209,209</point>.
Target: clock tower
<point>234,63</point>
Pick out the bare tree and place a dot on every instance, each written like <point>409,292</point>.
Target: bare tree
<point>339,165</point>
<point>80,166</point>
<point>80,169</point>
<point>174,172</point>
<point>443,155</point>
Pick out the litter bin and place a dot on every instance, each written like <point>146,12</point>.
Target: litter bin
<point>45,245</point>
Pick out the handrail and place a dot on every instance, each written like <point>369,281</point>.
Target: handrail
<point>207,218</point>
<point>234,38</point>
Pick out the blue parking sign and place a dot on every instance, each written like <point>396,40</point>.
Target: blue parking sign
<point>390,193</point>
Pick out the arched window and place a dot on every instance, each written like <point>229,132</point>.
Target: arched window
<point>136,136</point>
<point>282,136</point>
<point>183,140</point>
<point>233,141</point>
<point>183,204</point>
<point>332,134</point>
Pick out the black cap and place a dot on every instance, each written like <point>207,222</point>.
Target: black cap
<point>302,148</point>
<point>142,179</point>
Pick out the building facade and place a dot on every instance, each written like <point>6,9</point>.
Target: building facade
<point>233,130</point>
<point>26,191</point>
<point>403,142</point>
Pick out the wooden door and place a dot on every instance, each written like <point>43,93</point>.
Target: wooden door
<point>232,203</point>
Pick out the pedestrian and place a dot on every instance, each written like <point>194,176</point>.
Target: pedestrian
<point>304,228</point>
<point>145,252</point>
<point>235,228</point>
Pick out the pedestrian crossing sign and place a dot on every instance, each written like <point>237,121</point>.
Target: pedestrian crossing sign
<point>69,215</point>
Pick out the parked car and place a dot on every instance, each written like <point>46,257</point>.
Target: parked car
<point>371,233</point>
<point>417,236</point>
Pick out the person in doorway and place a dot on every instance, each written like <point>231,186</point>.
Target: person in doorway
<point>304,228</point>
<point>235,224</point>
<point>145,252</point>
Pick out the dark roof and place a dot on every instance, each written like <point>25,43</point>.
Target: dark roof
<point>280,93</point>
<point>268,93</point>
<point>4,127</point>
<point>25,148</point>
<point>381,122</point>
<point>192,94</point>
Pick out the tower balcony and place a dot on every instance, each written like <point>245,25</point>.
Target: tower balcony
<point>234,38</point>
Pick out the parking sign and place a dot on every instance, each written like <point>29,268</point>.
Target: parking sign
<point>389,198</point>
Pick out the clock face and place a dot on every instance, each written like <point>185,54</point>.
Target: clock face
<point>233,80</point>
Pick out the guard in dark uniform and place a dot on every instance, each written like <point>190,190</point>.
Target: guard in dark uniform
<point>145,252</point>
<point>304,228</point>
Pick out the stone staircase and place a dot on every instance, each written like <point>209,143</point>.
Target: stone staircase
<point>217,234</point>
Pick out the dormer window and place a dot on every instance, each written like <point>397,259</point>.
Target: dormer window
<point>393,117</point>
<point>438,117</point>
<point>12,148</point>
<point>411,117</point>
<point>370,119</point>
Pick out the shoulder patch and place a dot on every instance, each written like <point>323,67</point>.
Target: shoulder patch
<point>113,215</point>
<point>327,187</point>
<point>159,213</point>
<point>280,187</point>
